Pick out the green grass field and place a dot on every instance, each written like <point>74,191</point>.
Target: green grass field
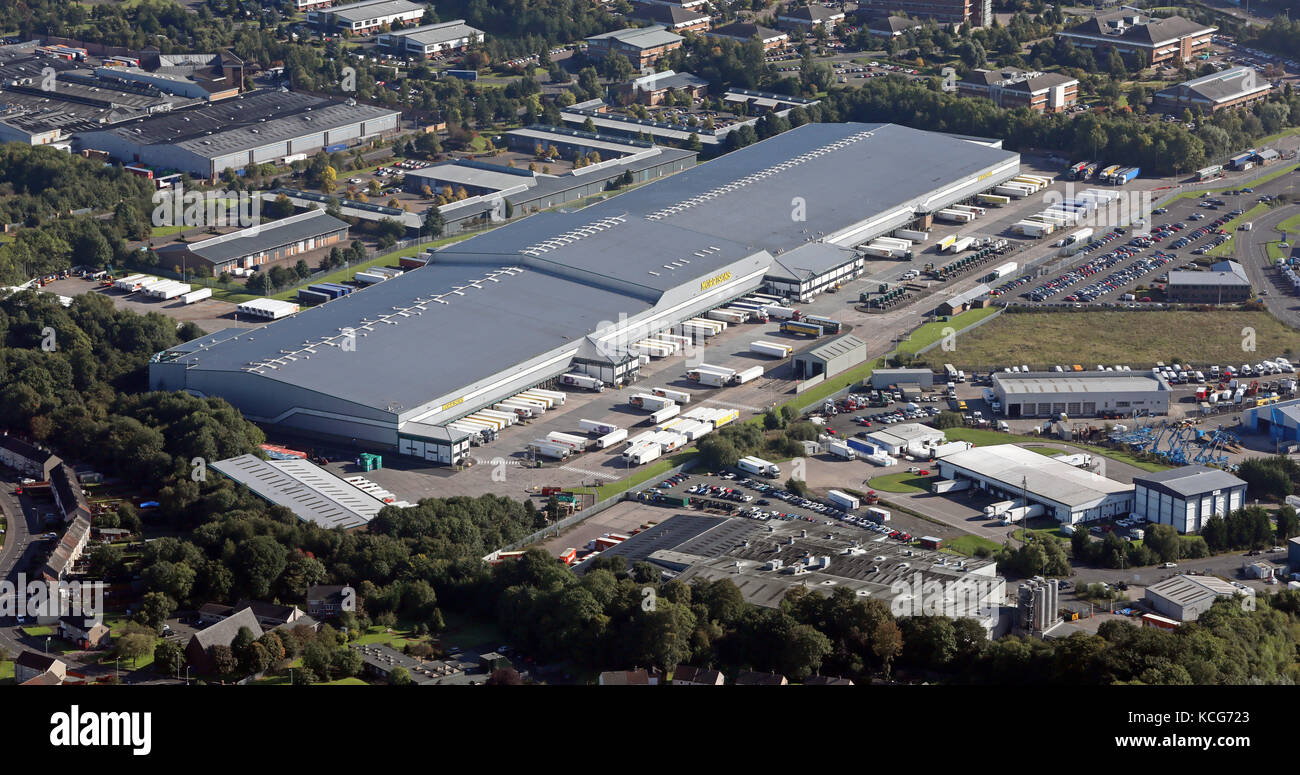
<point>901,482</point>
<point>1044,339</point>
<point>1229,248</point>
<point>968,544</point>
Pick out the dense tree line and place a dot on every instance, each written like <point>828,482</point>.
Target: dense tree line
<point>1271,478</point>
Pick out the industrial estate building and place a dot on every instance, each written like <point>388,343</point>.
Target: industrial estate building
<point>1185,598</point>
<point>830,358</point>
<point>767,559</point>
<point>805,17</point>
<point>1281,420</point>
<point>430,38</point>
<point>1187,496</point>
<point>920,379</point>
<point>1081,394</point>
<point>1231,88</point>
<point>652,89</point>
<point>1012,88</point>
<point>366,17</point>
<point>266,126</point>
<point>643,46</point>
<point>1226,282</point>
<point>754,104</point>
<point>897,439</point>
<point>888,26</point>
<point>1133,34</point>
<point>260,244</point>
<point>309,491</point>
<point>559,292</point>
<point>1069,494</point>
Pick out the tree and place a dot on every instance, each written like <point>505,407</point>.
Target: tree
<point>1288,523</point>
<point>797,486</point>
<point>133,645</point>
<point>399,676</point>
<point>328,180</point>
<point>504,676</point>
<point>887,642</point>
<point>948,420</point>
<point>168,657</point>
<point>155,608</point>
<point>223,660</point>
<point>433,224</point>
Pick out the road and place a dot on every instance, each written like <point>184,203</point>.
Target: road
<point>1252,255</point>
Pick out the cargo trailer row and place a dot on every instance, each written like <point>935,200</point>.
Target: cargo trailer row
<point>134,282</point>
<point>167,289</point>
<point>680,396</point>
<point>1013,191</point>
<point>954,216</point>
<point>333,290</point>
<point>993,199</point>
<point>597,427</point>
<point>269,309</point>
<point>649,401</point>
<point>312,297</point>
<point>716,417</point>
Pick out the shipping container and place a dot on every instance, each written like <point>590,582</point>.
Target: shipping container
<point>755,465</point>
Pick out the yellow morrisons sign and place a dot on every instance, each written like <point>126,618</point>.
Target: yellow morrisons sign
<point>450,404</point>
<point>715,281</point>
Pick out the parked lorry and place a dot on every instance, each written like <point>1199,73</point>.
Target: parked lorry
<point>843,500</point>
<point>597,427</point>
<point>1021,513</point>
<point>665,413</point>
<point>840,449</point>
<point>576,443</point>
<point>759,466</point>
<point>586,381</point>
<point>544,448</point>
<point>795,327</point>
<point>993,509</point>
<point>940,486</point>
<point>678,396</point>
<point>642,453</point>
<point>781,312</point>
<point>773,349</point>
<point>649,402</point>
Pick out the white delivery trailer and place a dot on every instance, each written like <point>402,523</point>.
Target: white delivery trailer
<point>539,406</point>
<point>669,441</point>
<point>472,430</point>
<point>649,401</point>
<point>509,418</point>
<point>587,381</point>
<point>941,486</point>
<point>881,459</point>
<point>555,395</point>
<point>773,349</point>
<point>1034,229</point>
<point>198,295</point>
<point>718,326</point>
<point>954,216</point>
<point>175,290</point>
<point>597,427</point>
<point>780,311</point>
<point>696,330</point>
<point>576,443</point>
<point>893,242</point>
<point>674,347</point>
<point>713,378</point>
<point>1022,513</point>
<point>645,347</point>
<point>840,449</point>
<point>642,453</point>
<point>679,396</point>
<point>748,375</point>
<point>705,368</point>
<point>1006,270</point>
<point>521,409</point>
<point>533,396</point>
<point>993,509</point>
<point>495,423</point>
<point>665,413</point>
<point>544,448</point>
<point>728,315</point>
<point>876,514</point>
<point>845,501</point>
<point>369,278</point>
<point>1012,190</point>
<point>681,341</point>
<point>879,251</point>
<point>693,430</point>
<point>961,244</point>
<point>611,438</point>
<point>915,236</point>
<point>756,465</point>
<point>975,211</point>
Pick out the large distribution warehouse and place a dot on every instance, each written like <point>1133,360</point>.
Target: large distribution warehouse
<point>1069,494</point>
<point>516,307</point>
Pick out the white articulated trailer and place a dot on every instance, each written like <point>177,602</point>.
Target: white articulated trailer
<point>583,381</point>
<point>773,349</point>
<point>756,465</point>
<point>679,396</point>
<point>597,427</point>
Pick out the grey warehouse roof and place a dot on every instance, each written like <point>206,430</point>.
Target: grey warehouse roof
<point>444,32</point>
<point>1191,480</point>
<point>246,122</point>
<point>310,492</point>
<point>360,12</point>
<point>1048,383</point>
<point>836,347</point>
<point>1046,477</point>
<point>255,239</point>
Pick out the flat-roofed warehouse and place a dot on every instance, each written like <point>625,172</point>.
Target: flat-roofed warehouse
<point>1185,598</point>
<point>1069,495</point>
<point>1081,394</point>
<point>1186,497</point>
<point>518,306</point>
<point>830,358</point>
<point>253,128</point>
<point>261,244</point>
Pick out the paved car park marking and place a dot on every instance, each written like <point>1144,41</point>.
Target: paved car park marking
<point>730,405</point>
<point>600,474</point>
